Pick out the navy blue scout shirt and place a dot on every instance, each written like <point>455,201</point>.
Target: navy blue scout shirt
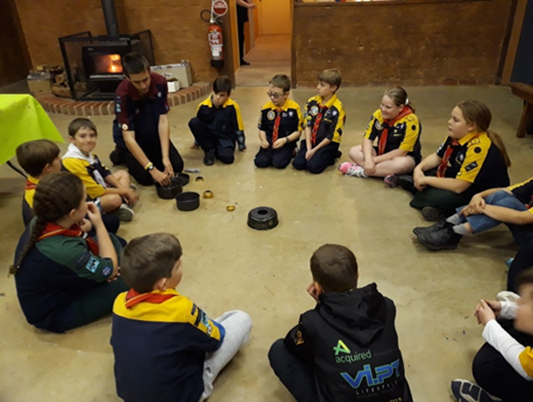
<point>476,160</point>
<point>332,122</point>
<point>291,119</point>
<point>224,121</point>
<point>141,115</point>
<point>53,274</point>
<point>160,347</point>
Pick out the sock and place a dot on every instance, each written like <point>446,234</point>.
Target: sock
<point>461,229</point>
<point>454,219</point>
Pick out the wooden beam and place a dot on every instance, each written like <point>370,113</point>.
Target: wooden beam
<point>512,48</point>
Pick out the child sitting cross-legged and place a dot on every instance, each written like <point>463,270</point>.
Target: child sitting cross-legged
<point>346,348</point>
<point>503,367</point>
<point>64,278</point>
<point>110,192</point>
<point>166,347</point>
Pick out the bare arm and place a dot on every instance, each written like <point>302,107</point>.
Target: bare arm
<point>263,139</point>
<point>243,3</point>
<point>445,183</point>
<point>367,149</point>
<point>390,155</point>
<point>429,162</point>
<point>105,245</point>
<point>508,215</point>
<point>140,156</point>
<point>307,132</point>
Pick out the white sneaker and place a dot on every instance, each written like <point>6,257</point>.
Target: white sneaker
<point>124,213</point>
<point>356,171</point>
<point>507,296</point>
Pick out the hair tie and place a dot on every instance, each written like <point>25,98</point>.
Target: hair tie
<point>406,101</point>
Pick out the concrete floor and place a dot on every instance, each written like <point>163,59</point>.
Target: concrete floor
<point>229,266</point>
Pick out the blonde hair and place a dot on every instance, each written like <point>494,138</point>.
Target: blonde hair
<point>399,96</point>
<point>475,112</point>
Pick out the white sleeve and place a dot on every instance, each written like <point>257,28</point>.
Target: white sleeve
<point>504,343</point>
<point>508,310</point>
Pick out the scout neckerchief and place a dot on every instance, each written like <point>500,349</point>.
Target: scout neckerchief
<point>387,124</point>
<point>441,171</point>
<point>275,132</point>
<point>30,185</point>
<point>133,298</point>
<point>53,229</point>
<point>321,111</point>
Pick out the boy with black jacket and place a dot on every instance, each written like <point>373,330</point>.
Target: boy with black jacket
<point>346,348</point>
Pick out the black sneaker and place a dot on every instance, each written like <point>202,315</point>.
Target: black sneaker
<point>433,228</point>
<point>115,157</point>
<point>244,63</point>
<point>432,214</point>
<point>444,239</point>
<point>407,183</point>
<point>209,158</point>
<point>466,391</point>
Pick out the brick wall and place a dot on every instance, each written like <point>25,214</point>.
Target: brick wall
<point>177,31</point>
<point>433,43</point>
<point>14,63</point>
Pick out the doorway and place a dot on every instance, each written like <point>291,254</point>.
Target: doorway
<point>267,43</point>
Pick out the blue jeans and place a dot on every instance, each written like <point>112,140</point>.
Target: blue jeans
<point>481,223</point>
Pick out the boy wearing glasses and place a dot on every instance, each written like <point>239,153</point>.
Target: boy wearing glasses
<point>218,124</point>
<point>324,123</point>
<point>280,124</point>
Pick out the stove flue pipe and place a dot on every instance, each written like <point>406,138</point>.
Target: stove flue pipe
<point>110,16</point>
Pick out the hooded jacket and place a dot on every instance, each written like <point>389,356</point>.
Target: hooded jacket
<point>350,340</point>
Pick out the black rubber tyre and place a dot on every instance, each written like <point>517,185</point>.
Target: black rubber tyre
<point>263,218</point>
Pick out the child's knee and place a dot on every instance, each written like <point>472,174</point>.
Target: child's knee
<point>226,158</point>
<point>111,202</point>
<point>261,162</point>
<point>280,163</point>
<point>299,164</point>
<point>276,352</point>
<point>194,123</point>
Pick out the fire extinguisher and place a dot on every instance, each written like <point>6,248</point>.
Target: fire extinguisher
<point>214,36</point>
<point>216,44</point>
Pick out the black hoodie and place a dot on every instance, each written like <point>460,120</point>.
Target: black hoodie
<point>351,341</point>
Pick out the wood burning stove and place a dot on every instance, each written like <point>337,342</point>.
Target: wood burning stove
<point>94,63</point>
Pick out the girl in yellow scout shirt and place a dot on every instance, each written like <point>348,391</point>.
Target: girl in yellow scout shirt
<point>397,130</point>
<point>503,367</point>
<point>470,160</point>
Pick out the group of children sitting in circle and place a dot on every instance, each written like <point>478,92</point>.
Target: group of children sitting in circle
<point>71,268</point>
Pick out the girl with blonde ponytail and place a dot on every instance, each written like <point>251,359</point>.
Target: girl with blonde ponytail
<point>470,160</point>
<point>64,278</point>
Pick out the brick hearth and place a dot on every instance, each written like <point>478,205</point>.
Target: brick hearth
<point>53,104</point>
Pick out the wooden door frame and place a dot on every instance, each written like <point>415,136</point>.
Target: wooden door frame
<point>514,40</point>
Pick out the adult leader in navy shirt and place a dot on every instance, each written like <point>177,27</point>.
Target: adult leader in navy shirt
<point>141,130</point>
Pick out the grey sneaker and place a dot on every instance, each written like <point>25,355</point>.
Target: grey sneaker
<point>466,391</point>
<point>433,228</point>
<point>507,296</point>
<point>124,213</point>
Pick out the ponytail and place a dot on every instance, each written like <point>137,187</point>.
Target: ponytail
<point>497,140</point>
<point>38,228</point>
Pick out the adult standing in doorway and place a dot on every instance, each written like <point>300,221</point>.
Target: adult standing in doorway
<point>242,16</point>
<point>141,130</point>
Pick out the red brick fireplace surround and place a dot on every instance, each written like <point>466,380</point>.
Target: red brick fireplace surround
<point>53,104</point>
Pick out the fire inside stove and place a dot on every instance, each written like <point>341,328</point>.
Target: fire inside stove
<point>107,64</point>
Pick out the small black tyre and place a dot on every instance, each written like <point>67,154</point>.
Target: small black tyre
<point>263,218</point>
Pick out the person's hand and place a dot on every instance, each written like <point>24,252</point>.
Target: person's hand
<point>94,214</point>
<point>477,204</point>
<point>160,177</point>
<point>131,197</point>
<point>309,154</point>
<point>85,225</point>
<point>251,6</point>
<point>313,291</point>
<point>169,170</point>
<point>279,143</point>
<point>486,311</point>
<point>419,179</point>
<point>114,277</point>
<point>264,144</point>
<point>369,166</point>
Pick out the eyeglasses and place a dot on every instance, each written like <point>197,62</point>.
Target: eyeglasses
<point>275,95</point>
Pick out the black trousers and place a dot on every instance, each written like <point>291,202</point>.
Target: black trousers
<point>323,158</point>
<point>446,201</point>
<point>522,261</point>
<point>240,29</point>
<point>153,153</point>
<point>208,141</point>
<point>295,374</point>
<point>496,376</point>
<point>279,158</point>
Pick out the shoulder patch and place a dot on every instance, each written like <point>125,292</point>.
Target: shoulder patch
<point>92,264</point>
<point>83,260</point>
<point>470,167</point>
